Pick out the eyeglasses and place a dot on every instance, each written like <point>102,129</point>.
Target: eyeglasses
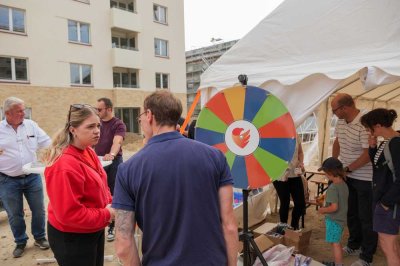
<point>75,107</point>
<point>334,110</point>
<point>138,118</point>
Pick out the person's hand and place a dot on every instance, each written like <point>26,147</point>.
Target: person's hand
<point>321,210</point>
<point>108,157</point>
<point>112,212</point>
<point>1,151</point>
<point>372,141</point>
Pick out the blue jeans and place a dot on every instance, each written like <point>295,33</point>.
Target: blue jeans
<point>11,193</point>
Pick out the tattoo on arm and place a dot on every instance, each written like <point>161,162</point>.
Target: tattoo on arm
<point>125,223</point>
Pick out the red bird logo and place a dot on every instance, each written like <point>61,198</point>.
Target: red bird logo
<point>240,137</point>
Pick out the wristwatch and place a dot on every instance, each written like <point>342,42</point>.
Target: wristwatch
<point>347,170</point>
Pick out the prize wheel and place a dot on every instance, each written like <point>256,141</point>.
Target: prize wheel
<point>253,129</point>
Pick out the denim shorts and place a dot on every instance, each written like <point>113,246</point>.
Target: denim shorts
<point>334,231</point>
<point>384,222</point>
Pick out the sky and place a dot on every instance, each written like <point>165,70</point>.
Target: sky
<point>224,19</point>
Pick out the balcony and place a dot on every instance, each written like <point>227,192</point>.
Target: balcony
<point>125,77</point>
<point>122,19</point>
<point>126,58</point>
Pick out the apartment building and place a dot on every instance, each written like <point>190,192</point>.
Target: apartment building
<point>57,52</point>
<point>197,61</point>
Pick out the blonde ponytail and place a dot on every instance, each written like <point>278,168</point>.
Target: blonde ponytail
<point>60,141</point>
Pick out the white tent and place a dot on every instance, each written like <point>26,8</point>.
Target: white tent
<point>307,50</point>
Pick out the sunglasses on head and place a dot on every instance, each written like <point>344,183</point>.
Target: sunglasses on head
<point>75,107</point>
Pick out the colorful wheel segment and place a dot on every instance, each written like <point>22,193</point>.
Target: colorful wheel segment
<point>253,129</point>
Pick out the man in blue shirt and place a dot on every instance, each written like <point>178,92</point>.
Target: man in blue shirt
<point>179,191</point>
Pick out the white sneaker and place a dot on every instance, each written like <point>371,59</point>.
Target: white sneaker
<point>351,252</point>
<point>110,235</point>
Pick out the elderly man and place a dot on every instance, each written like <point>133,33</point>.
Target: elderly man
<point>179,191</point>
<point>19,140</point>
<point>351,146</point>
<point>112,133</point>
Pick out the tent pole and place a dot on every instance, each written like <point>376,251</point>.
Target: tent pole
<point>322,125</point>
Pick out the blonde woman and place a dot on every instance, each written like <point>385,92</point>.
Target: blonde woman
<point>79,197</point>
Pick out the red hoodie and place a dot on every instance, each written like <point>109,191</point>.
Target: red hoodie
<point>78,193</point>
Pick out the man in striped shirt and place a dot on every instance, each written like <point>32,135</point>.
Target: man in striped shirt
<point>351,147</point>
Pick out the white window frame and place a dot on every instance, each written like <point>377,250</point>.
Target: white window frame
<point>120,72</point>
<point>10,20</point>
<point>81,76</point>
<point>158,52</point>
<point>160,7</point>
<point>161,81</point>
<point>118,3</point>
<point>83,1</point>
<point>78,32</point>
<point>13,73</point>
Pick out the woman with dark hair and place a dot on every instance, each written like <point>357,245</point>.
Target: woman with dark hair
<point>386,179</point>
<point>79,196</point>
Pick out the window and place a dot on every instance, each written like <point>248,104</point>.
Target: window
<point>125,79</point>
<point>83,1</point>
<point>161,47</point>
<point>78,32</point>
<point>128,116</point>
<point>124,5</point>
<point>14,69</point>
<point>12,19</point>
<point>160,14</point>
<point>81,74</point>
<point>124,43</point>
<point>162,81</point>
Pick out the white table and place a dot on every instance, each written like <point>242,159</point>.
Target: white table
<point>38,168</point>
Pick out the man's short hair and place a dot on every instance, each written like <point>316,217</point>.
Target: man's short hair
<point>166,108</point>
<point>107,102</point>
<point>346,100</point>
<point>10,102</point>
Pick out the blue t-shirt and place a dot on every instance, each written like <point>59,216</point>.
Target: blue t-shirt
<point>172,186</point>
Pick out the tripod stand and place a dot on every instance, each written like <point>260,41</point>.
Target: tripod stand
<point>247,237</point>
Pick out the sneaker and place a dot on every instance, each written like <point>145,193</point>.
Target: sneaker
<point>347,251</point>
<point>361,262</point>
<point>110,235</point>
<point>42,243</point>
<point>19,250</point>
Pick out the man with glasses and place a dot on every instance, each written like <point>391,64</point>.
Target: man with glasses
<point>351,147</point>
<point>20,139</point>
<point>179,192</point>
<point>112,133</point>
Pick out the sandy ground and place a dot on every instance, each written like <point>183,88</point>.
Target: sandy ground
<point>318,249</point>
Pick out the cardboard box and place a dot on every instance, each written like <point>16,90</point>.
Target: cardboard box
<point>264,229</point>
<point>299,239</point>
<point>276,238</point>
<point>263,243</point>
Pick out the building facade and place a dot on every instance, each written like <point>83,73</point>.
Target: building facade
<point>197,61</point>
<point>57,52</point>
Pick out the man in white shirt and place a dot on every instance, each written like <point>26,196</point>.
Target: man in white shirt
<point>351,147</point>
<point>19,140</point>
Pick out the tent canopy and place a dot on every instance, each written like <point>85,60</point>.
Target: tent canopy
<point>304,51</point>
